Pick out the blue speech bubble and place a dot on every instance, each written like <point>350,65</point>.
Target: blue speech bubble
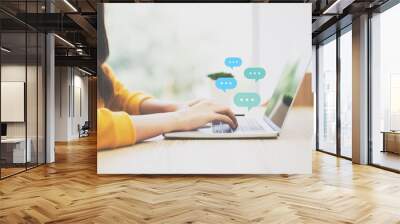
<point>248,100</point>
<point>255,73</point>
<point>232,62</point>
<point>225,83</point>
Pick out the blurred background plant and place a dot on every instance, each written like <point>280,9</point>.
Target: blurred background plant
<point>215,76</point>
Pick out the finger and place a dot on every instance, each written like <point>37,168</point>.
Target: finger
<point>228,112</point>
<point>225,119</point>
<point>265,103</point>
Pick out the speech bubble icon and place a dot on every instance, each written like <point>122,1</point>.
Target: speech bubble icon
<point>232,62</point>
<point>255,73</point>
<point>225,83</point>
<point>248,100</point>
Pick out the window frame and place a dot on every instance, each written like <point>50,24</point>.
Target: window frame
<point>334,37</point>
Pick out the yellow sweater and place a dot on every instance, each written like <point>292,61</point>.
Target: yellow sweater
<point>114,126</point>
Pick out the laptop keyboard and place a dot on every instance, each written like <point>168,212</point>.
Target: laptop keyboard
<point>244,125</point>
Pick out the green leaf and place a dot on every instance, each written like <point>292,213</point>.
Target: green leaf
<point>215,76</point>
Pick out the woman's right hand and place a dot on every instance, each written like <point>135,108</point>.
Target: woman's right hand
<point>202,112</point>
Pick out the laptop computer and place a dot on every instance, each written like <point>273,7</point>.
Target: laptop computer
<point>266,125</point>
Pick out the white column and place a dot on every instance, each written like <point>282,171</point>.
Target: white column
<point>360,90</point>
<point>50,92</point>
<point>50,99</point>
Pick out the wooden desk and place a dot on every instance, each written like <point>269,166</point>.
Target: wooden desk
<point>16,153</point>
<point>391,141</point>
<point>289,154</point>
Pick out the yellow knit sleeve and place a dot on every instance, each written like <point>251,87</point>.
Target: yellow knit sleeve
<point>114,129</point>
<point>121,99</point>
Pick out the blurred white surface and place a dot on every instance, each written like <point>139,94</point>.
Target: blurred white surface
<point>289,154</point>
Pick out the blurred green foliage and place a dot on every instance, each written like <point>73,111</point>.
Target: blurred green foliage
<point>215,76</point>
<point>286,88</point>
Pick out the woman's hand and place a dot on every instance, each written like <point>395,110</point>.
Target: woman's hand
<point>189,117</point>
<point>202,112</point>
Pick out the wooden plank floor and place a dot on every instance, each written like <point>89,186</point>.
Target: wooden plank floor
<point>70,191</point>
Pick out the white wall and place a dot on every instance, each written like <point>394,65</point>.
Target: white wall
<point>80,109</point>
<point>61,123</point>
<point>71,102</point>
<point>16,73</point>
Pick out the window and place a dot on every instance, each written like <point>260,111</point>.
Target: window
<point>334,106</point>
<point>385,89</point>
<point>327,97</point>
<point>346,94</point>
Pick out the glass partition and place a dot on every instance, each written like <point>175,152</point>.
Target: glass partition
<point>22,88</point>
<point>13,92</point>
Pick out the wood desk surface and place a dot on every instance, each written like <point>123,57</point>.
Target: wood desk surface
<point>288,154</point>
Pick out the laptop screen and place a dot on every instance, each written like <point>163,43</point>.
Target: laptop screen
<point>283,96</point>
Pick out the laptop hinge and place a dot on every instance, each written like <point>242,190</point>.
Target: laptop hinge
<point>272,124</point>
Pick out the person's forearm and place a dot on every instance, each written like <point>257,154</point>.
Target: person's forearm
<point>148,126</point>
<point>188,118</point>
<point>152,106</point>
